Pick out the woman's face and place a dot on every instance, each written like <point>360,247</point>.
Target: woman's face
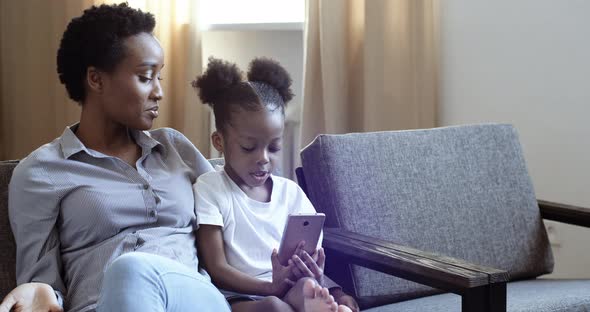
<point>130,93</point>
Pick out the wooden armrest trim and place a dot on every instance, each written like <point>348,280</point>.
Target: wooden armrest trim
<point>426,268</point>
<point>495,275</point>
<point>565,213</point>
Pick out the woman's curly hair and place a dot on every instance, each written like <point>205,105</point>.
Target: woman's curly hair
<point>97,39</point>
<point>224,88</point>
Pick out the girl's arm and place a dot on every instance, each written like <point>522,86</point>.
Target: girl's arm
<point>211,253</point>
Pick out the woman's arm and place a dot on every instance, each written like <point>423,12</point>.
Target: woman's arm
<point>33,207</point>
<point>211,253</point>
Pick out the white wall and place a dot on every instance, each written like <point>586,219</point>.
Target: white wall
<point>527,62</point>
<point>285,46</point>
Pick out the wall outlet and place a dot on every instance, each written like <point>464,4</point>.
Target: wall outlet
<point>552,235</point>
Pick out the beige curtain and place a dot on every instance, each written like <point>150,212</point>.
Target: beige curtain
<point>370,65</point>
<point>34,107</point>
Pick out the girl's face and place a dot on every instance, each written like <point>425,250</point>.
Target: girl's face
<point>251,142</point>
<point>131,92</point>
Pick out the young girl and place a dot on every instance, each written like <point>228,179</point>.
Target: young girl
<point>243,208</point>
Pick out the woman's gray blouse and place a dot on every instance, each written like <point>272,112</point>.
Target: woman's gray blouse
<point>74,210</point>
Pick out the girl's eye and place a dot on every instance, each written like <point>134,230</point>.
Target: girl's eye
<point>145,79</point>
<point>274,149</point>
<point>248,150</point>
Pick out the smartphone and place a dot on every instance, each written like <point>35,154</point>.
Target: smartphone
<point>301,227</point>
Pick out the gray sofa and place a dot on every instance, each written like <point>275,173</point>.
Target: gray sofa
<point>351,245</point>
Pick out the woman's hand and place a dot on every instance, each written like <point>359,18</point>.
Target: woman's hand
<point>31,297</point>
<point>281,274</point>
<point>343,299</point>
<point>305,265</point>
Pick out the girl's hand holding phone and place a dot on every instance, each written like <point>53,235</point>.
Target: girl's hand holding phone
<point>306,265</point>
<point>315,263</point>
<point>281,276</point>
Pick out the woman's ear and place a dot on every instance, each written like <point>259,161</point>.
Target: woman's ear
<point>94,79</point>
<point>217,140</point>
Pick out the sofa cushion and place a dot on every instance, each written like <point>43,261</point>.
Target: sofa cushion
<point>525,296</point>
<point>459,191</point>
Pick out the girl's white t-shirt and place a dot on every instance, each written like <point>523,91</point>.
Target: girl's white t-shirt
<point>251,229</point>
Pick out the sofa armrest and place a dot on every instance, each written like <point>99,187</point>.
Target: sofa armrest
<point>565,213</point>
<point>429,269</point>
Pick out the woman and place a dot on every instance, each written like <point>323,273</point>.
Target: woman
<point>106,187</point>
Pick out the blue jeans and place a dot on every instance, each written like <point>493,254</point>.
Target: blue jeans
<point>144,282</point>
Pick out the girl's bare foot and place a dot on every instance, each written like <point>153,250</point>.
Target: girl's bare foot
<point>317,298</point>
<point>343,308</point>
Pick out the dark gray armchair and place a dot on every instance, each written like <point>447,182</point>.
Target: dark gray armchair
<point>413,214</point>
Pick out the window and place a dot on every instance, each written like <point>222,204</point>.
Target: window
<point>271,13</point>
